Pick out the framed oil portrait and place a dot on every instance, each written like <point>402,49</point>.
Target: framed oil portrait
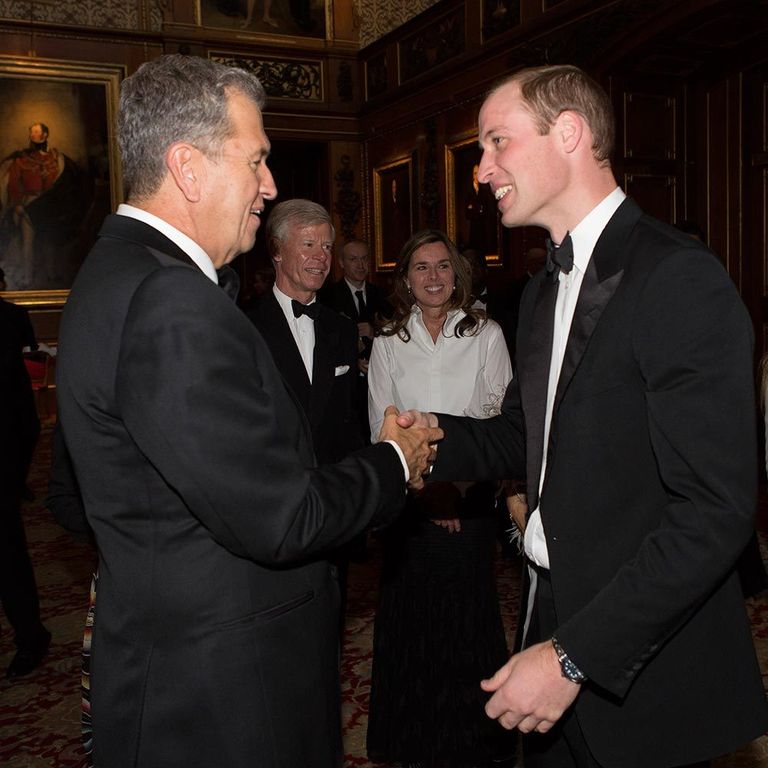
<point>295,18</point>
<point>59,171</point>
<point>393,203</point>
<point>472,217</point>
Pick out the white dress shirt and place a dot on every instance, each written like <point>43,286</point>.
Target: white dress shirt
<point>584,237</point>
<point>187,244</point>
<point>302,328</point>
<point>465,375</point>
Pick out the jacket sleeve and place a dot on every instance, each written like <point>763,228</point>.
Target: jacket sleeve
<point>201,397</point>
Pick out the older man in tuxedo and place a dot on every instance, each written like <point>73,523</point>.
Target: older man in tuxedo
<point>215,640</point>
<point>632,415</point>
<point>315,348</point>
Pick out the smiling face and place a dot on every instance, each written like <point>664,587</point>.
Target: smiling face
<point>303,259</point>
<point>431,276</point>
<point>237,184</point>
<point>525,170</point>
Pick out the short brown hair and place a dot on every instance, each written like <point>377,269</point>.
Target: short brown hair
<point>548,91</point>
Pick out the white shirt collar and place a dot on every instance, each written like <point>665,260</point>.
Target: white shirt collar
<point>586,233</point>
<point>284,300</point>
<point>353,288</point>
<point>187,244</point>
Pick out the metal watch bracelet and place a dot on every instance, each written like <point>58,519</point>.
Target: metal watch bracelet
<point>568,669</point>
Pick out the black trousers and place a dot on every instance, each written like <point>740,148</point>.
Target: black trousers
<point>564,745</point>
<point>18,589</point>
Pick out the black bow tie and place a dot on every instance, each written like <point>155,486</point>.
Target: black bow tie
<point>229,281</point>
<point>559,257</point>
<point>310,310</point>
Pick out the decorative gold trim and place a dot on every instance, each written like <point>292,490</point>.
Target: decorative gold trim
<point>378,174</point>
<point>107,75</point>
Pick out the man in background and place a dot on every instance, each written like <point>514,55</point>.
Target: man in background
<point>19,430</point>
<point>314,348</point>
<point>362,302</point>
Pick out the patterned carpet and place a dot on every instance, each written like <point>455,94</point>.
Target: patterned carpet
<point>40,715</point>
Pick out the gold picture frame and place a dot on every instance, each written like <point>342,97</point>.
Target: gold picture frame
<point>471,212</point>
<point>48,226</point>
<point>393,206</point>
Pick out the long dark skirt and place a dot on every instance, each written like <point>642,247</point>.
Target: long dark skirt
<point>437,633</point>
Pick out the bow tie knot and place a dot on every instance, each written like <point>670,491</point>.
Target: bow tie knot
<point>559,257</point>
<point>310,310</point>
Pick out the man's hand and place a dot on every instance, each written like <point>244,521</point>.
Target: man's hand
<point>365,329</point>
<point>414,441</point>
<point>417,418</point>
<point>529,691</point>
<point>453,524</point>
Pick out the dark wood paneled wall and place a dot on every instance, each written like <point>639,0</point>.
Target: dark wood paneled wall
<point>688,79</point>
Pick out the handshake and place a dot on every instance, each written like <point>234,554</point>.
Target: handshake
<point>415,434</point>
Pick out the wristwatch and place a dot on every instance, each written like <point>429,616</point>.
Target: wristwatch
<point>568,669</point>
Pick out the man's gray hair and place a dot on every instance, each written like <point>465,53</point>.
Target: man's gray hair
<point>297,212</point>
<point>175,98</point>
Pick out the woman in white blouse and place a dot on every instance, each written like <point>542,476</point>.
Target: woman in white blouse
<point>438,630</point>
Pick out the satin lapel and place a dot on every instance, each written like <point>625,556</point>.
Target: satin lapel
<point>274,328</point>
<point>604,273</point>
<point>533,366</point>
<point>593,298</point>
<point>323,365</point>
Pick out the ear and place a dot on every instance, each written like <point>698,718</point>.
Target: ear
<point>571,130</point>
<point>185,165</point>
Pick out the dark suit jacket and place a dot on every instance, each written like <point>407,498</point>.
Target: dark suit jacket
<point>215,640</point>
<point>338,297</point>
<point>329,400</point>
<point>649,495</point>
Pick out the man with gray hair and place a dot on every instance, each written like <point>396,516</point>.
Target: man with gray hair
<point>314,348</point>
<point>215,635</point>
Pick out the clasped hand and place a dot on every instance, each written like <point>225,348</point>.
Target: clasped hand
<point>415,436</point>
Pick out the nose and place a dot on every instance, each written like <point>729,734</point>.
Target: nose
<point>484,169</point>
<point>268,188</point>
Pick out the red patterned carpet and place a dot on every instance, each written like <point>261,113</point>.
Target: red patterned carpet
<point>40,715</point>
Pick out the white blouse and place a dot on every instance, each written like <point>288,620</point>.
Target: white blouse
<point>463,376</point>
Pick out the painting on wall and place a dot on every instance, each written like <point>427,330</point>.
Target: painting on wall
<point>393,201</point>
<point>302,18</point>
<point>472,214</point>
<point>59,174</point>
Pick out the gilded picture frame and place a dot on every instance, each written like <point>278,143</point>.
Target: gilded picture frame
<point>393,206</point>
<point>471,212</point>
<point>296,18</point>
<point>54,194</point>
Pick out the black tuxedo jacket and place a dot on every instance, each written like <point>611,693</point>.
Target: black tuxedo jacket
<point>649,495</point>
<point>329,400</point>
<point>215,641</point>
<point>338,297</point>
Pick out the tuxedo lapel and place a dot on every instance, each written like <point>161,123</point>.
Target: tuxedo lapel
<point>534,358</point>
<point>323,365</point>
<point>603,276</point>
<point>271,322</point>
